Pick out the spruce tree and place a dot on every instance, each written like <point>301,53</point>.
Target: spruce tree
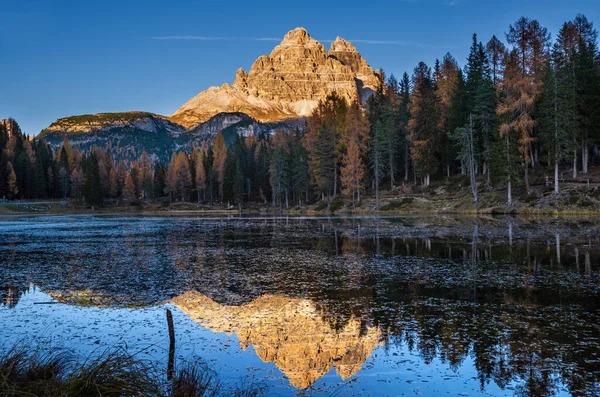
<point>91,188</point>
<point>424,124</point>
<point>558,113</point>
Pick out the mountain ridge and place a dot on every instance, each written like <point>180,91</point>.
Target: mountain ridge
<point>278,92</point>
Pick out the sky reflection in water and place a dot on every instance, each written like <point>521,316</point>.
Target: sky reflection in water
<point>380,306</point>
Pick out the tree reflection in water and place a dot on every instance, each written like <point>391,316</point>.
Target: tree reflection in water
<point>519,298</point>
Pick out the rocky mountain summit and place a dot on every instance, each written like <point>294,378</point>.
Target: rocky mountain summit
<point>286,84</point>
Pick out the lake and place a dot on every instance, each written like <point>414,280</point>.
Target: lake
<point>381,306</point>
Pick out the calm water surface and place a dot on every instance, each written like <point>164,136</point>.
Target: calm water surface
<point>333,306</point>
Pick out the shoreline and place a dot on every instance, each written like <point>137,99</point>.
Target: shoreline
<point>186,209</point>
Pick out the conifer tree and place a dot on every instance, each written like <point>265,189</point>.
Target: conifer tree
<point>357,136</point>
<point>447,84</point>
<point>219,161</point>
<point>558,113</point>
<point>587,82</point>
<point>200,175</point>
<point>495,51</point>
<point>183,175</point>
<point>424,124</point>
<point>159,182</point>
<point>129,188</point>
<point>323,162</point>
<point>403,119</point>
<point>11,178</point>
<point>515,107</point>
<point>377,158</point>
<point>92,190</point>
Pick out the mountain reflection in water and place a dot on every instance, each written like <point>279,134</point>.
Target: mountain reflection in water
<point>516,299</point>
<point>288,332</point>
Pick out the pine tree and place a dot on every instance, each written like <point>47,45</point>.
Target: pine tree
<point>424,124</point>
<point>377,156</point>
<point>112,183</point>
<point>92,191</point>
<point>530,43</point>
<point>448,80</point>
<point>587,82</point>
<point>183,176</point>
<point>200,175</point>
<point>403,119</point>
<point>129,188</point>
<point>485,123</point>
<point>171,178</point>
<point>77,180</point>
<point>514,109</point>
<point>146,176</point>
<point>558,111</point>
<point>229,176</point>
<point>219,162</point>
<point>159,181</point>
<point>11,179</point>
<point>299,168</point>
<point>495,51</point>
<point>464,138</point>
<point>323,162</point>
<point>357,136</point>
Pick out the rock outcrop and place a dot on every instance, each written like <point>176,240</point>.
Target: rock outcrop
<point>288,332</point>
<point>11,126</point>
<point>231,124</point>
<point>286,84</point>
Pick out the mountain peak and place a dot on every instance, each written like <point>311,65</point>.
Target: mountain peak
<point>286,84</point>
<point>296,36</point>
<point>342,45</point>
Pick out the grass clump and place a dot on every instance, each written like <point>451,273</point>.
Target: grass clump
<point>321,207</point>
<point>336,204</point>
<point>112,374</point>
<point>396,204</point>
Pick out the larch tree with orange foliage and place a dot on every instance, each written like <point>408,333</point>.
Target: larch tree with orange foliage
<point>356,141</point>
<point>515,107</point>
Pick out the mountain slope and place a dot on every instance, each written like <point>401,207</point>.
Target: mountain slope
<point>286,84</point>
<point>128,135</point>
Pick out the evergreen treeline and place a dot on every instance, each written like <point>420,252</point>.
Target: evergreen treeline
<point>530,102</point>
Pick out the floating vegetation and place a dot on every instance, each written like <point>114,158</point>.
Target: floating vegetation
<point>514,301</point>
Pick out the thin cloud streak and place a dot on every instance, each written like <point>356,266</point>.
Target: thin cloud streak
<point>212,38</point>
<point>360,41</point>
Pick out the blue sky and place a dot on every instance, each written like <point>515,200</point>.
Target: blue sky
<point>60,58</point>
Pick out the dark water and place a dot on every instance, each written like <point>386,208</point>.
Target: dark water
<point>334,306</point>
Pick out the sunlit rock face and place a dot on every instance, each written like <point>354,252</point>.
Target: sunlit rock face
<point>288,332</point>
<point>286,84</point>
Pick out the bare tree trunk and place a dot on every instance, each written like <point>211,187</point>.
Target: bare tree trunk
<point>556,145</point>
<point>472,159</point>
<point>527,188</point>
<point>556,190</point>
<point>584,155</point>
<point>406,163</point>
<point>575,163</point>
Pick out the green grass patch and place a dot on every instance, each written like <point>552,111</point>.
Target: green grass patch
<point>396,204</point>
<point>321,207</point>
<point>336,204</point>
<point>11,207</point>
<point>112,374</point>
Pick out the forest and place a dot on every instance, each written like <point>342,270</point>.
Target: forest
<point>520,104</point>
